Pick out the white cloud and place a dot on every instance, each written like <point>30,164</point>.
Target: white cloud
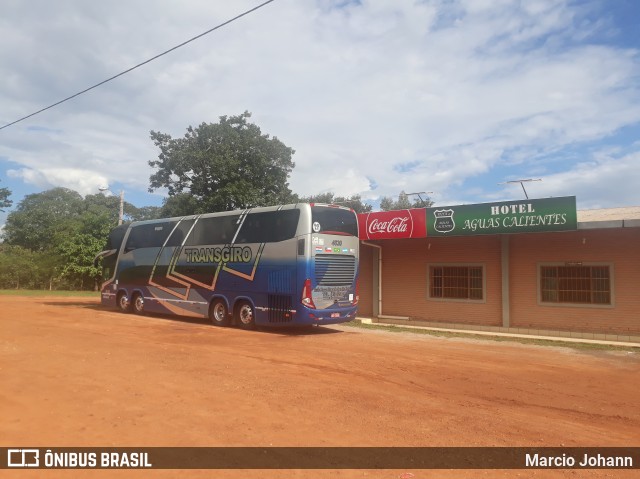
<point>606,181</point>
<point>455,89</point>
<point>83,181</point>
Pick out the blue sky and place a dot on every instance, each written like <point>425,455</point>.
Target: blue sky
<point>376,97</point>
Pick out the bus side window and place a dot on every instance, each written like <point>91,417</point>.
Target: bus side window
<point>228,228</point>
<point>269,227</point>
<point>287,224</point>
<point>301,247</point>
<point>150,235</point>
<point>131,243</point>
<point>250,230</point>
<point>179,233</point>
<point>215,230</point>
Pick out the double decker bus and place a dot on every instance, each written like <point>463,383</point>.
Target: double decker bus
<point>275,266</point>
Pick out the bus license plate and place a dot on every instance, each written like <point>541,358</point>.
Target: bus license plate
<point>335,315</point>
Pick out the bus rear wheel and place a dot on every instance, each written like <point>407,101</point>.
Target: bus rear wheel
<point>245,317</point>
<point>218,313</point>
<point>138,303</point>
<point>123,302</point>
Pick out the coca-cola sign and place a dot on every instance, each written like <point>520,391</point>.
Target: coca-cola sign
<point>393,224</point>
<point>397,224</point>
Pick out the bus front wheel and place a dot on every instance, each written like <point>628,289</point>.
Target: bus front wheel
<point>245,317</point>
<point>218,313</point>
<point>123,302</point>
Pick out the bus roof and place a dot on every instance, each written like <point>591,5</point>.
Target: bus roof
<point>257,209</point>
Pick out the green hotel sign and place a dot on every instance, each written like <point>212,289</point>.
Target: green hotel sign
<point>524,216</point>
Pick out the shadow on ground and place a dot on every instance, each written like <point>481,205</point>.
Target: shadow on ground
<point>275,330</point>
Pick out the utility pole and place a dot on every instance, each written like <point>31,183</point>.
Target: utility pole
<point>107,191</point>
<point>121,212</point>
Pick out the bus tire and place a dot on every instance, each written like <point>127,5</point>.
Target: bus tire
<point>218,313</point>
<point>245,316</point>
<point>124,305</point>
<point>137,303</point>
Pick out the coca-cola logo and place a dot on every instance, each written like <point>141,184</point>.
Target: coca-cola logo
<point>396,224</point>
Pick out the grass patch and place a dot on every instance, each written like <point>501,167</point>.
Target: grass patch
<point>537,342</point>
<point>35,292</point>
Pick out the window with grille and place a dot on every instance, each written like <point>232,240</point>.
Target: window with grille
<point>582,284</point>
<point>456,282</point>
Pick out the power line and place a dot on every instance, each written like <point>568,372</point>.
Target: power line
<point>139,64</point>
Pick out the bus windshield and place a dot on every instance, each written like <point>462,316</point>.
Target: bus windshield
<point>332,220</point>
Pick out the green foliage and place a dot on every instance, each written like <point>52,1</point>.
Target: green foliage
<point>144,213</point>
<point>222,166</point>
<point>19,267</point>
<point>354,202</point>
<point>40,217</point>
<point>180,204</point>
<point>403,202</point>
<point>99,214</point>
<point>76,254</point>
<point>52,238</point>
<point>5,202</point>
<point>108,208</point>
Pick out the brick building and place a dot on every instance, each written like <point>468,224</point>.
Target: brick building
<point>581,279</point>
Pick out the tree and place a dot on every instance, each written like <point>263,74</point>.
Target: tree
<point>77,253</point>
<point>354,202</point>
<point>41,217</point>
<point>103,210</point>
<point>403,203</point>
<point>223,166</point>
<point>5,202</point>
<point>18,267</point>
<point>52,237</point>
<point>180,204</point>
<point>145,213</point>
<point>110,205</point>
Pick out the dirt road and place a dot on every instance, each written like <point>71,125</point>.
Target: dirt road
<point>74,374</point>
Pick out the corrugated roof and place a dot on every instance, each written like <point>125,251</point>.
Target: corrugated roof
<point>629,216</point>
<point>610,214</point>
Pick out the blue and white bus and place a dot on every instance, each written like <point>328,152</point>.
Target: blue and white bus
<point>275,266</point>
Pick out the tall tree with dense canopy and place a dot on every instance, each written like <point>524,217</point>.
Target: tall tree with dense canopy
<point>222,166</point>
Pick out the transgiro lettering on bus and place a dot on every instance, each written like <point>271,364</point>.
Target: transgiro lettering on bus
<point>226,254</point>
<point>524,216</point>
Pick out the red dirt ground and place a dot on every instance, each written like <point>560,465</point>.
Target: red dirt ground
<point>75,374</point>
